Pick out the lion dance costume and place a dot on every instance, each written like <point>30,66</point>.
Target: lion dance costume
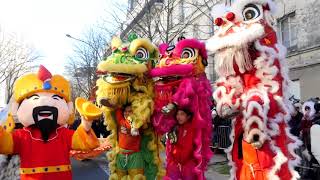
<point>42,103</point>
<point>253,81</point>
<point>181,83</point>
<point>124,82</point>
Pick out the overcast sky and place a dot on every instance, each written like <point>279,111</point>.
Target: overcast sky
<point>44,23</point>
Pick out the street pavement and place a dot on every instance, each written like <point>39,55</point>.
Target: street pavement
<point>97,169</point>
<point>211,173</point>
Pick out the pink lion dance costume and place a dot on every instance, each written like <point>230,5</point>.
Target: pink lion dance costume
<point>180,82</point>
<point>252,86</point>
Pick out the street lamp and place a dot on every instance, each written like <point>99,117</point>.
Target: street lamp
<point>94,48</point>
<point>97,54</point>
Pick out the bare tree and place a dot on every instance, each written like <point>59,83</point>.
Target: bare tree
<point>81,67</point>
<point>16,59</point>
<point>22,66</point>
<point>157,20</point>
<point>161,20</point>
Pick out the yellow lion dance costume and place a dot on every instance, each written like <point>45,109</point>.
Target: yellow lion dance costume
<point>125,93</point>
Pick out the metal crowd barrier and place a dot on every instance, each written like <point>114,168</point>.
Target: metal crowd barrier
<point>221,138</point>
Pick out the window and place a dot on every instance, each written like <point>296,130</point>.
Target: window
<point>196,30</point>
<point>181,9</point>
<point>131,5</point>
<point>229,2</point>
<point>288,31</point>
<point>195,2</point>
<point>294,88</point>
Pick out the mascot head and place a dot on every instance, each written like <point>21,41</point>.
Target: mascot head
<point>129,61</point>
<point>244,29</point>
<point>311,108</point>
<point>187,58</point>
<point>43,101</point>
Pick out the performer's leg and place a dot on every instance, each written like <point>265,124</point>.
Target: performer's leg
<point>188,172</point>
<point>257,163</point>
<point>237,151</point>
<point>136,174</point>
<point>135,166</point>
<point>172,171</point>
<point>121,165</point>
<point>121,173</point>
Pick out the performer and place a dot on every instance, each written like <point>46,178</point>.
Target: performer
<point>253,87</point>
<point>130,158</point>
<point>42,103</point>
<point>180,82</point>
<point>181,164</point>
<point>125,85</point>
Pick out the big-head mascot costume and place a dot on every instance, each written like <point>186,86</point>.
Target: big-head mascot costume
<point>124,84</point>
<point>253,81</point>
<point>42,103</point>
<point>181,83</point>
<point>310,132</point>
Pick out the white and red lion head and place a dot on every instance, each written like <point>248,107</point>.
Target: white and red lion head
<point>253,87</point>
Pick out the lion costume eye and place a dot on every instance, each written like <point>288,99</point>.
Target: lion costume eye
<point>142,54</point>
<point>188,53</point>
<point>250,12</point>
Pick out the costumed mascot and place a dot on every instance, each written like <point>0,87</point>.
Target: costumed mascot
<point>42,103</point>
<point>310,133</point>
<point>253,86</point>
<point>125,93</point>
<point>181,84</point>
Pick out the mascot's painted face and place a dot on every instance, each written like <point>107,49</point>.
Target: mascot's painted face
<point>45,111</point>
<point>187,58</point>
<point>129,61</point>
<point>311,108</point>
<point>240,28</point>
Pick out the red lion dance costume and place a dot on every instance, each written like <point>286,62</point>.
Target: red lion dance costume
<point>252,86</point>
<point>180,82</point>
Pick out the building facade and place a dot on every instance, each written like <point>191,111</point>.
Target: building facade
<point>298,26</point>
<point>299,30</point>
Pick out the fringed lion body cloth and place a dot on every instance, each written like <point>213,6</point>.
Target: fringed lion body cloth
<point>125,93</point>
<point>180,83</point>
<point>253,86</point>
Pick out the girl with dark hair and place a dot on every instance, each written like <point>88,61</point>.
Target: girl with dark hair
<point>180,147</point>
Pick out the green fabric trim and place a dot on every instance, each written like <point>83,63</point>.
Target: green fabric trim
<point>130,161</point>
<point>150,169</point>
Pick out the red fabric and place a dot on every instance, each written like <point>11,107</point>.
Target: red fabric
<point>126,140</point>
<point>182,151</point>
<point>44,73</point>
<point>250,81</point>
<point>306,125</point>
<point>282,141</point>
<point>176,171</point>
<point>36,153</point>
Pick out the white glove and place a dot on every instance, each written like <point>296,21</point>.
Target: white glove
<point>168,108</point>
<point>213,113</point>
<point>134,132</point>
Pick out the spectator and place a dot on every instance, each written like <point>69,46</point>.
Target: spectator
<point>296,118</point>
<point>99,128</point>
<point>75,124</point>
